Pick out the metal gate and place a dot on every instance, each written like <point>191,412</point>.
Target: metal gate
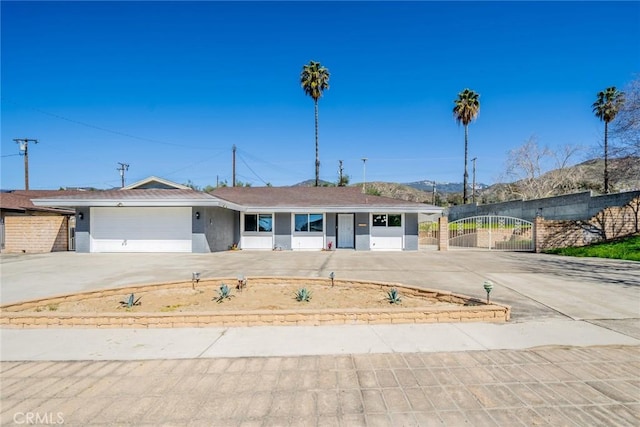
<point>492,232</point>
<point>428,233</point>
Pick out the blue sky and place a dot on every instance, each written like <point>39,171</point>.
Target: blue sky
<point>170,87</point>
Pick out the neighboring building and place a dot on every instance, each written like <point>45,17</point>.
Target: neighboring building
<point>26,228</point>
<point>156,215</point>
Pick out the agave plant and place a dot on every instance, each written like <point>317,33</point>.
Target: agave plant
<point>223,293</point>
<point>303,294</point>
<point>131,301</point>
<point>393,296</point>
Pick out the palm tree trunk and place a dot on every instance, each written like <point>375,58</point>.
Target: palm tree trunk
<point>606,158</point>
<point>466,175</point>
<point>317,155</point>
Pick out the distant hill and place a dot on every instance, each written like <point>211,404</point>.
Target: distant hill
<point>312,183</point>
<point>442,187</point>
<point>624,176</point>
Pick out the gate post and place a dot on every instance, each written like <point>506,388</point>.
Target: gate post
<point>538,233</point>
<point>443,233</point>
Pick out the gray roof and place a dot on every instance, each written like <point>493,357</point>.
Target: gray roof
<point>245,199</point>
<point>141,197</point>
<point>325,199</point>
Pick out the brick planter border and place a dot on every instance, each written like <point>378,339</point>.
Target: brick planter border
<point>15,316</point>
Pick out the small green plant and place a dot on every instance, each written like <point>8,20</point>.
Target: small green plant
<point>303,295</point>
<point>168,308</point>
<point>130,302</point>
<point>393,296</point>
<point>52,307</point>
<point>223,293</point>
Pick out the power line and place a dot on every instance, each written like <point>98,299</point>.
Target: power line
<point>103,129</point>
<point>254,172</point>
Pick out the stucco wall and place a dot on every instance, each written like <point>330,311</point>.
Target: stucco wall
<point>330,230</point>
<point>282,230</point>
<point>216,226</point>
<point>363,241</point>
<point>83,226</point>
<point>411,232</point>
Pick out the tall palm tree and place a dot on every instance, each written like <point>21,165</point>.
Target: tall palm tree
<point>607,105</point>
<point>466,110</point>
<point>314,79</point>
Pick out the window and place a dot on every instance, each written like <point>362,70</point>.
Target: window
<point>258,222</point>
<point>387,220</point>
<point>309,222</point>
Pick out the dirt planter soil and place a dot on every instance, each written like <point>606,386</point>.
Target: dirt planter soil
<point>264,301</point>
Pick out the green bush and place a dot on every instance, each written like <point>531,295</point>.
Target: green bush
<point>627,249</point>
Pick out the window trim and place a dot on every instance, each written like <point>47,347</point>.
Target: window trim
<point>386,220</point>
<point>308,232</point>
<point>257,231</point>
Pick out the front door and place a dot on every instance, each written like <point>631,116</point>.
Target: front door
<point>345,231</point>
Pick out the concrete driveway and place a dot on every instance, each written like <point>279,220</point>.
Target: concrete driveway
<point>537,286</point>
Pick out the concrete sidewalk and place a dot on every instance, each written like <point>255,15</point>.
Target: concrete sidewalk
<point>559,362</point>
<point>192,343</point>
<point>554,300</point>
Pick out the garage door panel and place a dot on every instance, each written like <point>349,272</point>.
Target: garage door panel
<point>141,229</point>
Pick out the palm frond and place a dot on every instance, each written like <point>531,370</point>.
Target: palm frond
<point>467,106</point>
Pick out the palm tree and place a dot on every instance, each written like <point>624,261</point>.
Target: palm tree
<point>609,102</point>
<point>466,110</point>
<point>314,80</point>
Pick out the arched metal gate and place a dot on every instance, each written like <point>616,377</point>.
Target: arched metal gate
<point>492,232</point>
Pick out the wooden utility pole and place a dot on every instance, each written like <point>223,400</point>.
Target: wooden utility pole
<point>233,174</point>
<point>24,150</point>
<point>123,167</point>
<point>473,188</point>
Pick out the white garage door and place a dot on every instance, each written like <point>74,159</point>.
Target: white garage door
<point>141,229</point>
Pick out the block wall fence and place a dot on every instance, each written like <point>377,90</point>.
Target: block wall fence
<point>609,223</point>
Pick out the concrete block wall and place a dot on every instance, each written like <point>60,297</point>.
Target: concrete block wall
<point>36,233</point>
<point>577,206</point>
<point>608,223</point>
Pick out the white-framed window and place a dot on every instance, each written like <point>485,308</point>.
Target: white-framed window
<point>308,223</point>
<point>258,223</point>
<point>386,220</point>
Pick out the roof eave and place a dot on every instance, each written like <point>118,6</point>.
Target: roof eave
<point>342,209</point>
<point>128,203</point>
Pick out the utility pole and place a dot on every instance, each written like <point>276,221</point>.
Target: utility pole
<point>233,174</point>
<point>123,167</point>
<point>473,189</point>
<point>433,197</point>
<point>24,150</point>
<point>364,174</point>
<point>340,170</point>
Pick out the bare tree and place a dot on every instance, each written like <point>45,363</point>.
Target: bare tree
<point>540,171</point>
<point>625,130</point>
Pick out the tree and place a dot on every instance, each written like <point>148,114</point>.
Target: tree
<point>540,171</point>
<point>626,129</point>
<point>466,110</point>
<point>607,105</point>
<point>314,79</point>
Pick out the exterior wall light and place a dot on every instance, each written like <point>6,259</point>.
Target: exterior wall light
<point>81,216</point>
<point>197,215</point>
